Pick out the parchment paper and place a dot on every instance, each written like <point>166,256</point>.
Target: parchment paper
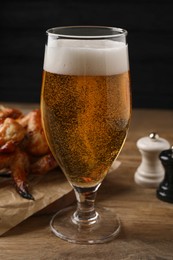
<point>45,189</point>
<point>48,191</point>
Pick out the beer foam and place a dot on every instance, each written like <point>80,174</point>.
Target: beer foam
<point>86,57</point>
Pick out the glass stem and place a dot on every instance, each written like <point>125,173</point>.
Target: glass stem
<point>85,215</point>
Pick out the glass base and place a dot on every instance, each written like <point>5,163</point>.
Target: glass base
<point>106,227</point>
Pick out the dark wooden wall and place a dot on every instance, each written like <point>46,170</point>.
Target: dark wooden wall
<point>150,37</point>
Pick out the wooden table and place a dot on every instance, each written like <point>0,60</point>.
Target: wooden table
<point>147,223</point>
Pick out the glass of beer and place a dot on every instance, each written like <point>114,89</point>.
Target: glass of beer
<point>86,107</point>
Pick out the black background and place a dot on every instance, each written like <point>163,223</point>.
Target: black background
<point>150,38</point>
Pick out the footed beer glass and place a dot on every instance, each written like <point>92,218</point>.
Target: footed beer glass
<point>85,105</point>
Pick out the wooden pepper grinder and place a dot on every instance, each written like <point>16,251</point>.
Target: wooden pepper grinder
<point>150,172</point>
<point>165,189</point>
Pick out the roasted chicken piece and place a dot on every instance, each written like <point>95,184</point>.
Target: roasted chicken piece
<point>23,147</point>
<point>11,134</point>
<point>9,112</point>
<point>43,165</point>
<point>18,164</point>
<point>36,143</point>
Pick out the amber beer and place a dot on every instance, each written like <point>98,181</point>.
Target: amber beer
<point>86,108</point>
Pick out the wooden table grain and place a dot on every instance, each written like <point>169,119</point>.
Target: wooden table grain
<point>147,223</point>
